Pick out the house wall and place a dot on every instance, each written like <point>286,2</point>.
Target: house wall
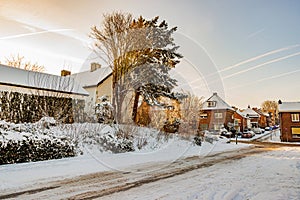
<point>90,100</point>
<point>242,125</point>
<point>105,88</point>
<point>20,104</point>
<point>286,126</point>
<point>213,123</point>
<point>38,92</point>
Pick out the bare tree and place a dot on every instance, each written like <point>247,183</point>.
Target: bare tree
<point>191,107</point>
<point>17,61</point>
<point>271,107</point>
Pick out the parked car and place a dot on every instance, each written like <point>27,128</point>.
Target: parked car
<point>268,129</point>
<point>275,127</point>
<point>248,134</point>
<point>257,130</point>
<point>225,133</point>
<point>239,133</point>
<point>262,130</point>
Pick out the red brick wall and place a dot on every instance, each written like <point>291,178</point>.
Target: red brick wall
<point>286,125</point>
<point>243,121</point>
<point>211,120</point>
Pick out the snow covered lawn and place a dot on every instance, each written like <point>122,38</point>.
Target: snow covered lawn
<point>18,176</point>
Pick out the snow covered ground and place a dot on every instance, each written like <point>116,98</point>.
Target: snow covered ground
<point>272,175</point>
<point>17,176</point>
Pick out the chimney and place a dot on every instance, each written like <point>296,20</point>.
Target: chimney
<point>65,73</point>
<point>95,66</point>
<point>215,93</point>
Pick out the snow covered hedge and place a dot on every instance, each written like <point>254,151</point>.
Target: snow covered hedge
<point>31,142</point>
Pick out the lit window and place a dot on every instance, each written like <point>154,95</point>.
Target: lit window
<point>203,116</point>
<point>218,115</point>
<point>211,104</point>
<point>295,117</point>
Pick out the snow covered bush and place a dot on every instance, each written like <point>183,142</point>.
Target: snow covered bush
<point>104,111</point>
<point>31,142</point>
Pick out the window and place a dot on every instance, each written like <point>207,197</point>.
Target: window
<point>211,104</point>
<point>295,117</point>
<point>296,132</point>
<point>218,115</point>
<point>203,116</point>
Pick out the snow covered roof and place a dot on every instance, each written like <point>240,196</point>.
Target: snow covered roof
<point>36,80</point>
<point>241,114</point>
<point>250,113</point>
<point>216,103</point>
<point>260,112</point>
<point>289,107</point>
<point>92,78</point>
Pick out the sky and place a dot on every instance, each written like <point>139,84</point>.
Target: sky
<point>248,51</point>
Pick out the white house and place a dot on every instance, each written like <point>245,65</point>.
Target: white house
<point>97,82</point>
<point>25,96</point>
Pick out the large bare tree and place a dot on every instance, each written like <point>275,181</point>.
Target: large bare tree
<point>140,53</point>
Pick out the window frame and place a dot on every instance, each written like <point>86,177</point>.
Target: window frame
<point>218,115</point>
<point>211,104</point>
<point>295,117</point>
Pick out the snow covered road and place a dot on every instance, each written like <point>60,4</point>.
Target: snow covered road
<point>252,173</point>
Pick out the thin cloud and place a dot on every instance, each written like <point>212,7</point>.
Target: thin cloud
<point>261,65</point>
<point>265,79</point>
<point>255,33</point>
<point>34,33</point>
<point>258,57</point>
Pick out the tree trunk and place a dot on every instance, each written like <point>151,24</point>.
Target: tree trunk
<point>135,106</point>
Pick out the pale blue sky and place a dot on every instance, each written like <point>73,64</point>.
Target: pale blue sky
<point>246,50</point>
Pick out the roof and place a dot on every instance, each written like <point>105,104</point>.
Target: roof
<point>91,79</point>
<point>220,103</point>
<point>36,80</point>
<point>260,112</point>
<point>241,114</point>
<point>289,107</point>
<point>250,113</point>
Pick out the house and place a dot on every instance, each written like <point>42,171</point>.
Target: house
<point>289,115</point>
<point>241,121</point>
<point>216,114</point>
<point>26,96</point>
<point>97,81</point>
<point>253,116</point>
<point>263,120</point>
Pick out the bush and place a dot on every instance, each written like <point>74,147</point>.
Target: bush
<point>31,149</point>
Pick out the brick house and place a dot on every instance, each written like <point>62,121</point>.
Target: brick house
<point>216,113</point>
<point>289,115</point>
<point>241,121</point>
<point>263,120</point>
<point>253,116</point>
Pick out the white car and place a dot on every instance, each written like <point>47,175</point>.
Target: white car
<point>257,130</point>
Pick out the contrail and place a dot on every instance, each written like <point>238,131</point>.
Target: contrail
<point>255,33</point>
<point>265,79</point>
<point>35,33</point>
<point>263,64</point>
<point>258,57</point>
